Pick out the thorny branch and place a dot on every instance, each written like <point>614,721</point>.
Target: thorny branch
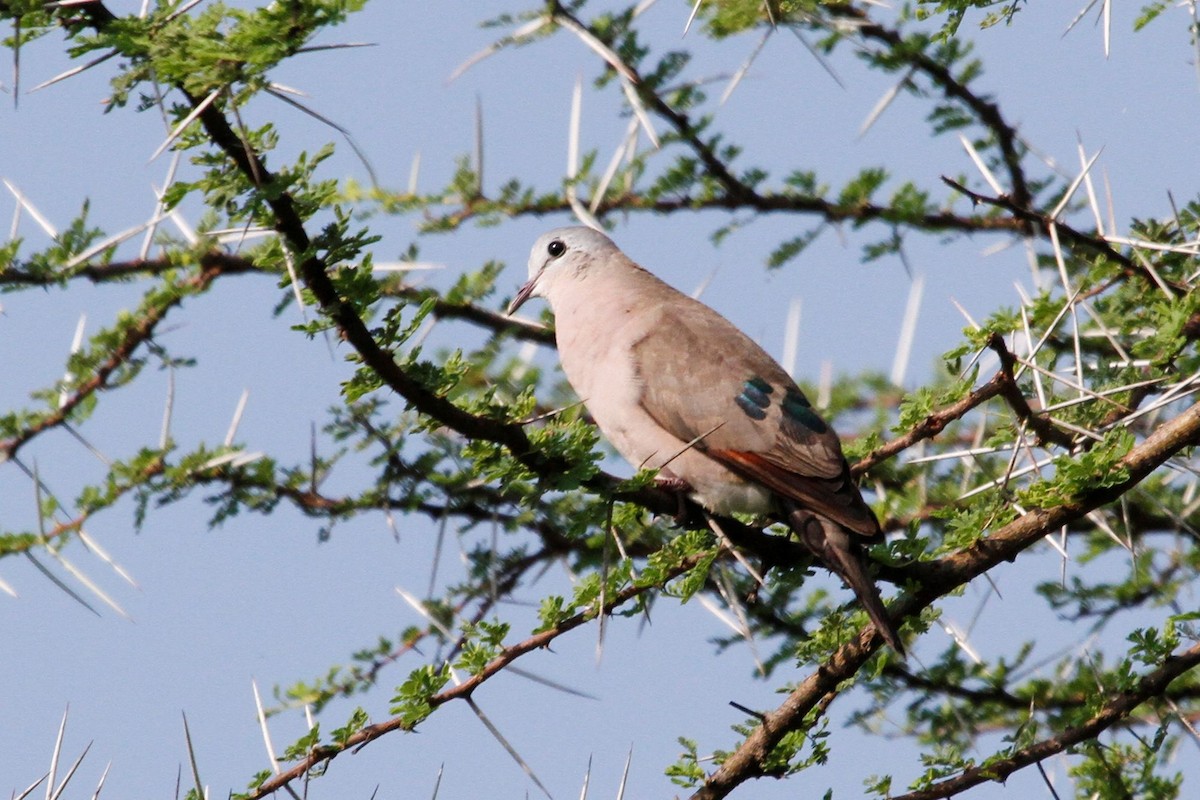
<point>1066,232</point>
<point>747,199</point>
<point>999,696</point>
<point>988,113</point>
<point>134,336</point>
<point>465,688</point>
<point>934,581</point>
<point>1116,709</point>
<point>1001,384</point>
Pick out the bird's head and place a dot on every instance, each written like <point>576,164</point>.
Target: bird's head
<point>561,255</point>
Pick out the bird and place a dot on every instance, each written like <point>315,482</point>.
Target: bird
<point>675,387</point>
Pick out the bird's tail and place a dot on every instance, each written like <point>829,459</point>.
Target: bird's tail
<point>832,544</point>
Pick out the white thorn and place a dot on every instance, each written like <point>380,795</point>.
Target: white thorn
<point>237,417</point>
<point>791,336</point>
<point>38,217</point>
<point>414,172</point>
<point>692,16</point>
<point>182,126</point>
<point>76,343</point>
<point>262,724</point>
<point>825,386</point>
<point>908,330</point>
<point>979,165</point>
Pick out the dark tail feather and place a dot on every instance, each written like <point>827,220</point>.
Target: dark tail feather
<point>831,543</point>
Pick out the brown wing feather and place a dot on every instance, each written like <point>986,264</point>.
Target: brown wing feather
<point>838,499</point>
<point>694,364</point>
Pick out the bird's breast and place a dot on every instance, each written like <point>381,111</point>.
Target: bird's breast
<point>601,370</point>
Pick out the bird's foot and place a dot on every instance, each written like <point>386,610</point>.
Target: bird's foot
<point>673,483</point>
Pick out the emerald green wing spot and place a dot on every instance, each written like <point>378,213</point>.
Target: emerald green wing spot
<point>797,408</point>
<point>755,398</point>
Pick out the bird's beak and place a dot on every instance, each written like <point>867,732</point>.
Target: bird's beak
<point>523,294</point>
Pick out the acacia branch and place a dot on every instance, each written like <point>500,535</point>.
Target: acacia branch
<point>488,599</point>
<point>1066,233</point>
<point>747,199</point>
<point>134,337</point>
<point>1046,431</point>
<point>314,271</point>
<point>230,264</point>
<point>1002,384</point>
<point>1114,711</point>
<point>494,321</point>
<point>935,580</point>
<point>467,687</point>
<point>987,112</point>
<point>233,264</point>
<point>999,696</point>
<point>740,195</point>
<point>932,425</point>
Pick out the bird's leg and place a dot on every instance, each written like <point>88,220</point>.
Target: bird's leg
<point>665,479</point>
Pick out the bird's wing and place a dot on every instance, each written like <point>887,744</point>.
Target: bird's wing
<point>704,379</point>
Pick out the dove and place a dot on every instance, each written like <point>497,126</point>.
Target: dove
<point>675,387</point>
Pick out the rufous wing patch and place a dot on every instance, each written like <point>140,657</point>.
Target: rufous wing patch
<point>835,499</point>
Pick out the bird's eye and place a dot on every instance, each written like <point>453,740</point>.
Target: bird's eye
<point>556,248</point>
